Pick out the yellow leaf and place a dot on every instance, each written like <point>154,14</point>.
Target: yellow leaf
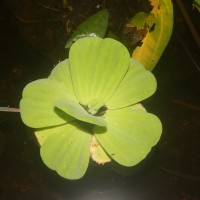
<point>97,152</point>
<point>157,39</point>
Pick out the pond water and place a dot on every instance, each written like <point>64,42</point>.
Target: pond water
<point>172,171</point>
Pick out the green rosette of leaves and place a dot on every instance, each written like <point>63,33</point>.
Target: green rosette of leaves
<point>89,108</point>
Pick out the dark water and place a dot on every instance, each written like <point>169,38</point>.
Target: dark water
<point>171,172</point>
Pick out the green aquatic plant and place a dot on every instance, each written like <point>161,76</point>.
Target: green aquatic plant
<point>89,107</point>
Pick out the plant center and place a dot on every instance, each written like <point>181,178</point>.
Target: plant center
<point>96,107</point>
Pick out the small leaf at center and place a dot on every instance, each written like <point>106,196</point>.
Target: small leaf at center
<point>95,105</point>
<point>74,109</point>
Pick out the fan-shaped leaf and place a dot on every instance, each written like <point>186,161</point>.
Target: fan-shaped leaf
<point>61,73</point>
<point>66,150</point>
<point>137,85</point>
<point>37,105</point>
<point>129,135</point>
<point>97,67</point>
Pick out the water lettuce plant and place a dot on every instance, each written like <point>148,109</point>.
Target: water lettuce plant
<point>89,108</point>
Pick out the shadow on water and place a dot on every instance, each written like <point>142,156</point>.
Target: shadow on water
<point>170,172</point>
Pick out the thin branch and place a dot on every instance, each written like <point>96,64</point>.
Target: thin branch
<point>8,109</point>
<point>187,52</point>
<point>49,8</point>
<point>181,175</point>
<point>189,22</point>
<point>188,105</point>
<point>25,21</point>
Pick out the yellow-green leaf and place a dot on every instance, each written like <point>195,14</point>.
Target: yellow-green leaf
<point>37,105</point>
<point>97,67</point>
<point>66,149</point>
<point>129,135</point>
